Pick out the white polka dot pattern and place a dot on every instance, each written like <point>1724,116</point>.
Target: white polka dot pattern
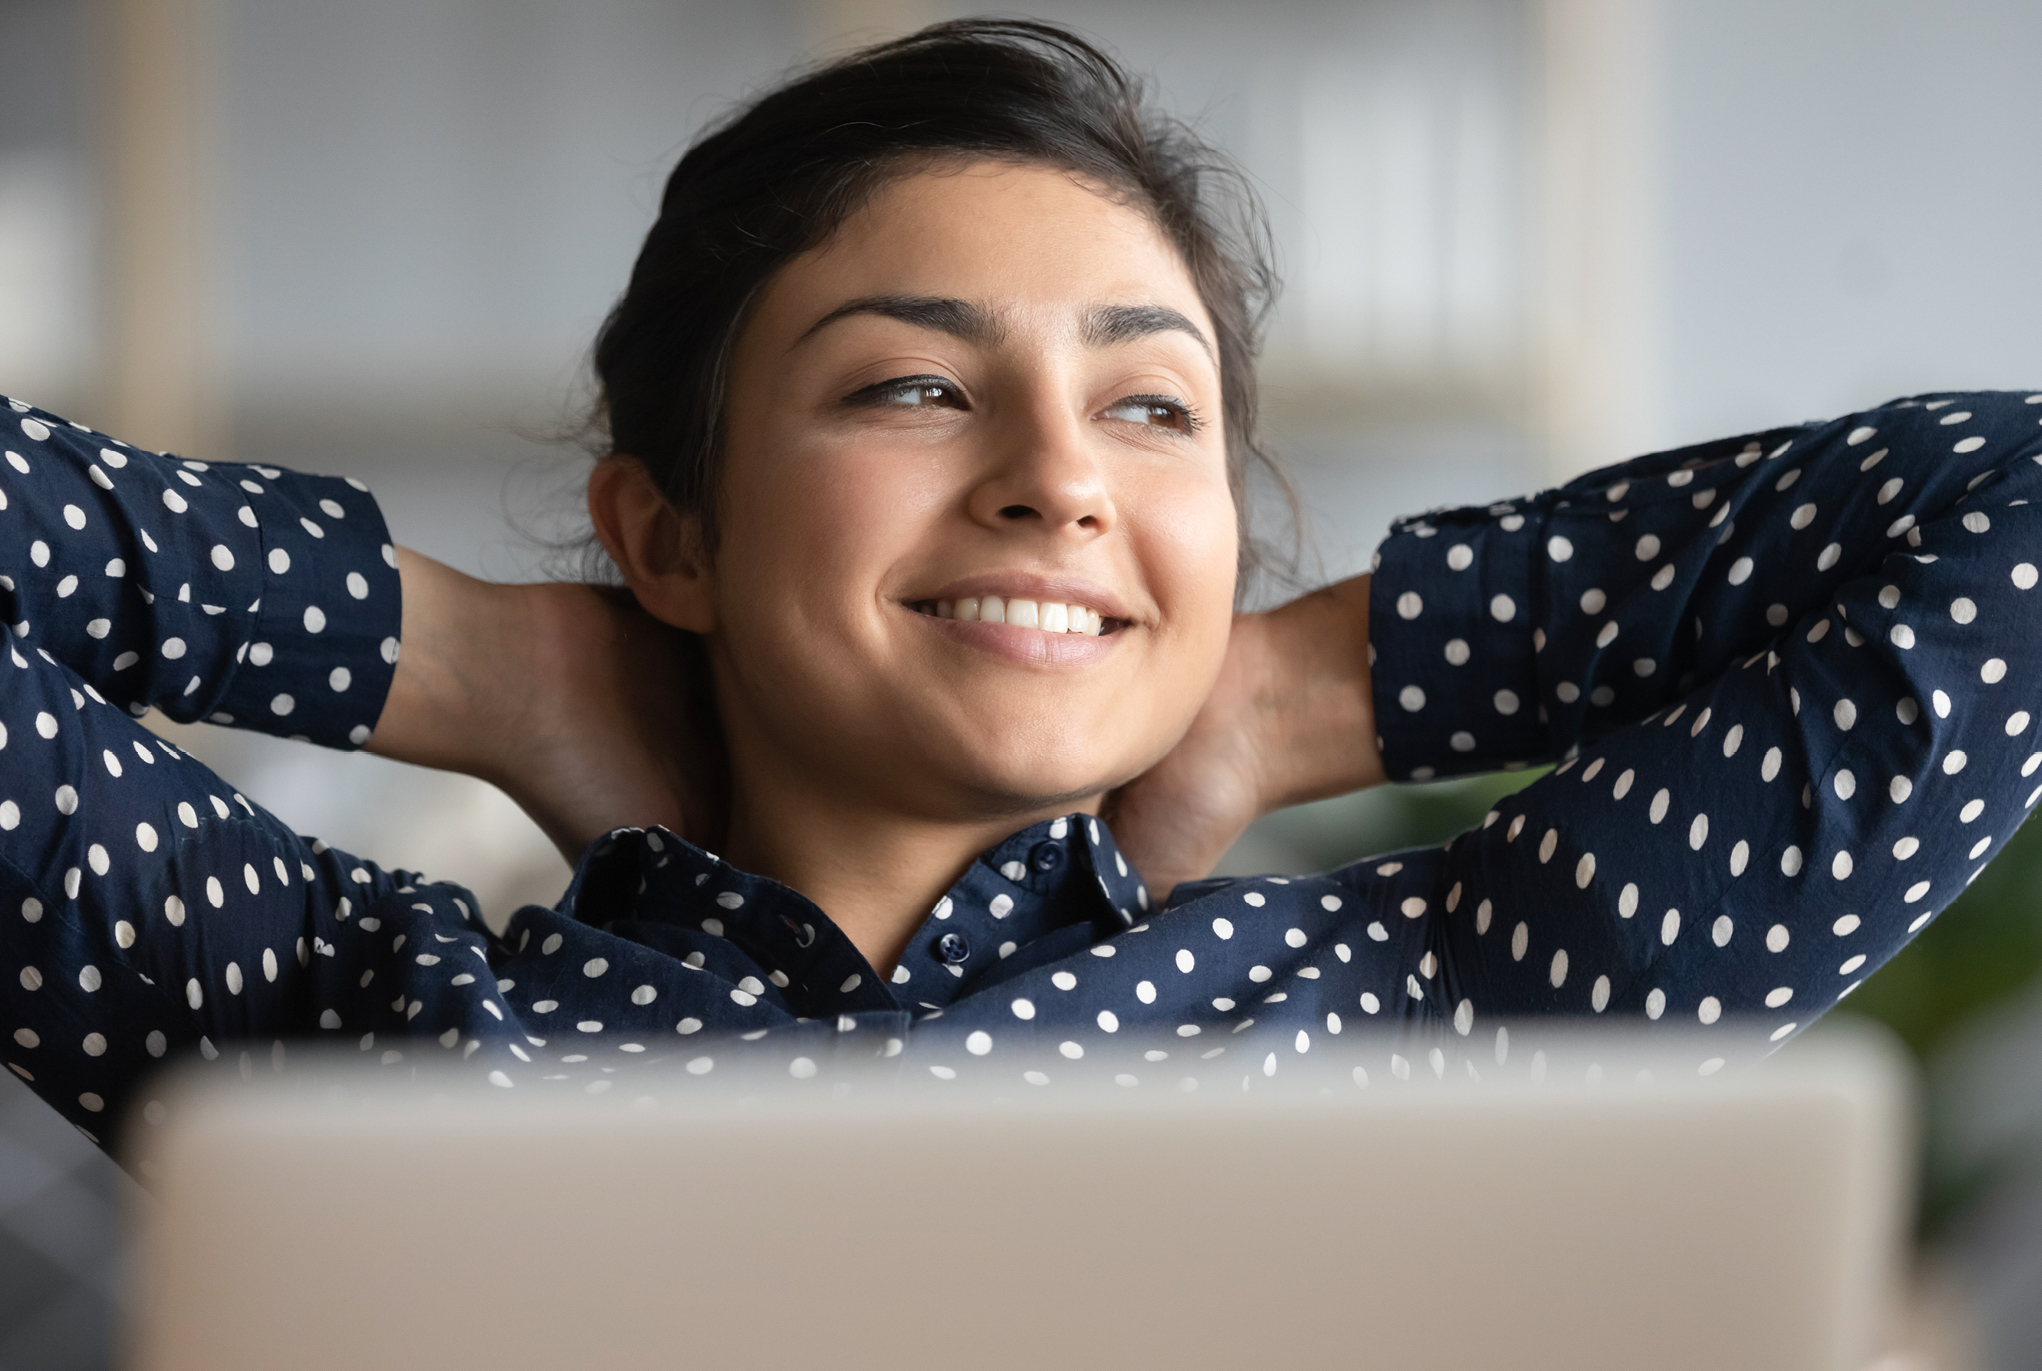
<point>1807,580</point>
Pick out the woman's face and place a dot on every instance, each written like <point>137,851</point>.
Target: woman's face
<point>977,545</point>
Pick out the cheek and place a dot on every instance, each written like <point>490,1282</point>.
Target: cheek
<point>805,533</point>
<point>1195,551</point>
<point>782,499</point>
<point>1190,550</point>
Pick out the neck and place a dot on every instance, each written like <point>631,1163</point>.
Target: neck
<point>877,874</point>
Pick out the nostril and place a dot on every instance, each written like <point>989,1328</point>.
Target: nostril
<point>1017,512</point>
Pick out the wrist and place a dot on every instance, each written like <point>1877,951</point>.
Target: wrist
<point>452,670</point>
<point>514,649</point>
<point>1318,718</point>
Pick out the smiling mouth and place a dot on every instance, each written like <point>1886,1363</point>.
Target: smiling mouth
<point>1045,615</point>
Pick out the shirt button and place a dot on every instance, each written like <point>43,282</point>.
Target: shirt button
<point>952,948</point>
<point>1047,856</point>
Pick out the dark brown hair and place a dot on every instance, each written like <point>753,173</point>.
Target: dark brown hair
<point>777,176</point>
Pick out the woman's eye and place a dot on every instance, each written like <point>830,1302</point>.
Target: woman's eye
<point>1157,411</point>
<point>922,393</point>
<point>911,392</point>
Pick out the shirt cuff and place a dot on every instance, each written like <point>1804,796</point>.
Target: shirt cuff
<point>323,650</point>
<point>1452,643</point>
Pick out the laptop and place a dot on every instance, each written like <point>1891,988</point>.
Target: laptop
<point>1596,1204</point>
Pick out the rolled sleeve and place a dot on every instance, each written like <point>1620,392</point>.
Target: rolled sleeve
<point>323,647</point>
<point>1454,641</point>
<point>236,594</point>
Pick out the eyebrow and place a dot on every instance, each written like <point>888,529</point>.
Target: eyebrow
<point>1110,324</point>
<point>1103,326</point>
<point>958,318</point>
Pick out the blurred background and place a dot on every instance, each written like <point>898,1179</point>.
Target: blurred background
<point>1521,238</point>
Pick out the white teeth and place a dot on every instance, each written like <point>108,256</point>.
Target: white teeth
<point>1050,617</point>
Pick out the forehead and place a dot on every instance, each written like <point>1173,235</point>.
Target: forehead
<point>1026,240</point>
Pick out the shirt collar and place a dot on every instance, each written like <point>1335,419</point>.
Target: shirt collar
<point>1038,895</point>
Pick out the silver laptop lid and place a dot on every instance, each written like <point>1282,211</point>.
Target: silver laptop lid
<point>1597,1205</point>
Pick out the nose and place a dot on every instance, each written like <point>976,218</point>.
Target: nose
<point>1044,474</point>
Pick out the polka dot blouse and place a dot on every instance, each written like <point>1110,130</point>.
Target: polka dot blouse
<point>1789,682</point>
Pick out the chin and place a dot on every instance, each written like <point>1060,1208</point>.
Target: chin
<point>1010,783</point>
<point>1026,752</point>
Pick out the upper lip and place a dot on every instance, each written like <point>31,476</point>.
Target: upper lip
<point>1021,585</point>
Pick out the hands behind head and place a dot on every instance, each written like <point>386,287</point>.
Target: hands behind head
<point>1289,720</point>
<point>615,726</point>
<point>585,710</point>
<point>593,715</point>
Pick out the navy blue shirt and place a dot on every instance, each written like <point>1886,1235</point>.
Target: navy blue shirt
<point>1790,682</point>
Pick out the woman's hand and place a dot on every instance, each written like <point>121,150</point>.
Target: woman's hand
<point>1290,719</point>
<point>586,711</point>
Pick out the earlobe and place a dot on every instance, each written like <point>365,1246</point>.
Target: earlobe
<point>656,547</point>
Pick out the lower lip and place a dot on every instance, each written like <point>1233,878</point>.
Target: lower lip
<point>1027,646</point>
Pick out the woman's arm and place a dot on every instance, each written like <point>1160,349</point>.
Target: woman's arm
<point>146,906</point>
<point>1513,633</point>
<point>260,598</point>
<point>588,712</point>
<point>1796,683</point>
<point>241,595</point>
<point>1850,733</point>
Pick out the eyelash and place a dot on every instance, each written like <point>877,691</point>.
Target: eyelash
<point>879,395</point>
<point>875,396</point>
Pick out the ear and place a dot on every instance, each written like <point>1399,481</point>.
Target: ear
<point>658,548</point>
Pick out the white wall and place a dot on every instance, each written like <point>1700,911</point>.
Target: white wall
<point>1853,205</point>
<point>48,308</point>
<point>434,199</point>
<point>432,202</point>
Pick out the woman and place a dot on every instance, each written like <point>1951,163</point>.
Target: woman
<point>931,403</point>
